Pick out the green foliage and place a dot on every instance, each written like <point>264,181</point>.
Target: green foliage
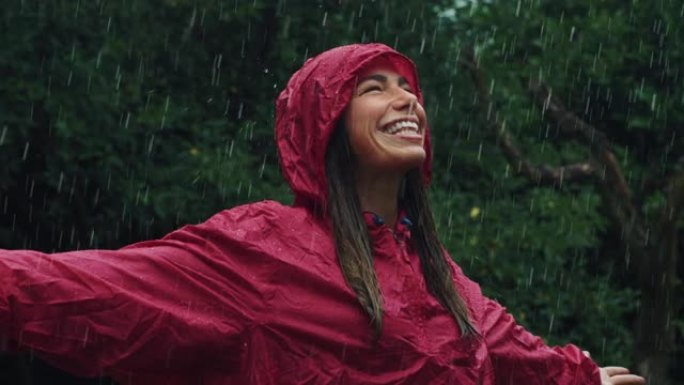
<point>550,255</point>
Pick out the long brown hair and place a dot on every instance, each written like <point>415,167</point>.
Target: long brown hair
<point>353,244</point>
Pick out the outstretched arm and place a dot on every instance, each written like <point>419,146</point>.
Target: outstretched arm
<point>170,304</point>
<point>521,357</point>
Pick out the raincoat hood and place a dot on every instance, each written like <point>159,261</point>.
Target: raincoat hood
<point>310,107</point>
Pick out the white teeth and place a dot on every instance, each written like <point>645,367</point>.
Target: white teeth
<point>403,125</point>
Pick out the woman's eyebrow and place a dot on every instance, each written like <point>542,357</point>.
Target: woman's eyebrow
<point>376,77</point>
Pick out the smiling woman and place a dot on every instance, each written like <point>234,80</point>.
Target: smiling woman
<point>272,294</point>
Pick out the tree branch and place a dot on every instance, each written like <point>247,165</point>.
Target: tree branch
<point>539,174</point>
<point>602,163</point>
<point>612,184</point>
<point>571,124</point>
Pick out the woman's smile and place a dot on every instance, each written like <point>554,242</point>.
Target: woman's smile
<point>406,127</point>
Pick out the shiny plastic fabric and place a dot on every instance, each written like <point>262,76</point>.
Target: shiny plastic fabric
<point>255,294</point>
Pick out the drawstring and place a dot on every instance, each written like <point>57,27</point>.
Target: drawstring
<point>406,222</point>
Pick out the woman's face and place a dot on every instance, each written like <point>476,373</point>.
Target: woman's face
<point>385,123</point>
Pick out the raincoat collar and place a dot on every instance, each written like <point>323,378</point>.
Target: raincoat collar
<point>309,108</point>
<point>400,230</point>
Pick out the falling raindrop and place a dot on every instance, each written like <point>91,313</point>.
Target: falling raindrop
<point>150,144</point>
<point>26,150</point>
<point>32,188</point>
<point>529,279</point>
<point>262,168</point>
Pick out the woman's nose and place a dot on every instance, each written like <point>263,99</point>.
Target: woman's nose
<point>405,100</point>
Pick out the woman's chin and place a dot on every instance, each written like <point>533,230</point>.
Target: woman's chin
<point>404,161</point>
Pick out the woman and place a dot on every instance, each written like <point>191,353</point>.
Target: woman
<point>350,285</point>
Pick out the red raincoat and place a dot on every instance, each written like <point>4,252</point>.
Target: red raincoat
<point>255,295</point>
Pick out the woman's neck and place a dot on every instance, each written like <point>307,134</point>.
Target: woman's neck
<point>378,193</point>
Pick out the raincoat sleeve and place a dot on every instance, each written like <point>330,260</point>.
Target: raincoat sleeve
<point>518,357</point>
<point>166,305</point>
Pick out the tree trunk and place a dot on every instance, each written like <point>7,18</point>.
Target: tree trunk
<point>655,337</point>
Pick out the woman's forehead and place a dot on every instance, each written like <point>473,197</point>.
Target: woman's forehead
<point>389,66</point>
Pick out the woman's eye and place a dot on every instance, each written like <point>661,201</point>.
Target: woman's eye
<point>371,89</point>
